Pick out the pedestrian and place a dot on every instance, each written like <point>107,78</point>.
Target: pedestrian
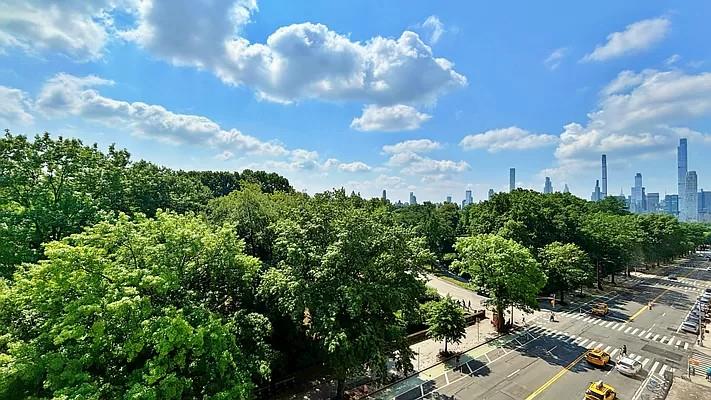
<point>470,305</point>
<point>552,316</point>
<point>523,320</point>
<point>624,349</point>
<point>650,305</point>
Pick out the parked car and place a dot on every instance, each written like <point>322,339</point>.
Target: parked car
<point>628,366</point>
<point>690,326</point>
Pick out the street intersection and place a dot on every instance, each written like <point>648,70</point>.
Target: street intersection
<point>546,359</point>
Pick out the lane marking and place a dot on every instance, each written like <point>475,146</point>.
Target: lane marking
<point>645,307</point>
<point>654,367</point>
<point>514,373</point>
<point>555,378</point>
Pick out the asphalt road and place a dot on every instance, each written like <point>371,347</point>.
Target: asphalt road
<point>546,361</point>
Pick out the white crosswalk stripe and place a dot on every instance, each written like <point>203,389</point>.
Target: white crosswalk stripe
<point>612,355</point>
<point>582,343</point>
<point>664,368</point>
<point>671,341</point>
<point>590,345</point>
<point>642,333</point>
<point>621,326</point>
<point>663,339</point>
<point>634,331</point>
<point>686,346</point>
<point>638,358</point>
<point>607,325</point>
<point>648,335</point>
<point>628,329</point>
<point>654,367</point>
<point>656,337</point>
<point>678,342</point>
<point>607,349</point>
<point>644,363</point>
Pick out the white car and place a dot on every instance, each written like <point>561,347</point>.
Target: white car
<point>628,366</point>
<point>690,326</point>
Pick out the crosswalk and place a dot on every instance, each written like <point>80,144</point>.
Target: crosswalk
<point>669,340</point>
<point>613,351</point>
<point>703,361</point>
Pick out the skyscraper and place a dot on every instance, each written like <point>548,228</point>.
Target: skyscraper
<point>652,202</point>
<point>597,194</point>
<point>413,199</point>
<point>491,193</point>
<point>637,196</point>
<point>512,179</point>
<point>468,197</point>
<point>548,186</point>
<point>671,204</point>
<point>691,205</point>
<point>449,199</point>
<point>604,176</point>
<point>704,206</point>
<point>681,177</point>
<point>566,189</point>
<point>384,197</point>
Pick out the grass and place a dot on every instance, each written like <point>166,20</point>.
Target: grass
<point>455,281</point>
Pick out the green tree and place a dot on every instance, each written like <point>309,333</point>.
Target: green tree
<point>134,309</point>
<point>344,277</point>
<point>566,266</point>
<point>503,268</point>
<point>446,322</point>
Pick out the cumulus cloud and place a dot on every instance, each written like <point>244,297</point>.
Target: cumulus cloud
<point>511,138</point>
<point>298,61</point>
<point>225,155</point>
<point>415,164</point>
<point>68,95</point>
<point>673,59</point>
<point>356,166</point>
<point>555,58</point>
<point>15,106</point>
<point>389,119</point>
<point>412,146</point>
<point>78,29</point>
<point>435,27</point>
<point>640,114</point>
<point>636,37</point>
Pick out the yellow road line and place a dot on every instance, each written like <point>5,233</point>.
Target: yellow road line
<point>555,377</point>
<point>641,310</point>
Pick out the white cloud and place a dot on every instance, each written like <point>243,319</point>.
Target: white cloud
<point>225,155</point>
<point>435,28</point>
<point>636,37</point>
<point>356,166</point>
<point>555,58</point>
<point>673,59</point>
<point>511,138</point>
<point>639,115</point>
<point>78,29</point>
<point>389,119</point>
<point>412,146</point>
<point>415,164</point>
<point>298,61</point>
<point>14,106</point>
<point>68,95</point>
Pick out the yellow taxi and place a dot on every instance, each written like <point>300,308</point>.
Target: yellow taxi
<point>599,309</point>
<point>597,357</point>
<point>600,391</point>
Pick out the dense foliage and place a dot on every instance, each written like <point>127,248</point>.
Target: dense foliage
<point>123,279</point>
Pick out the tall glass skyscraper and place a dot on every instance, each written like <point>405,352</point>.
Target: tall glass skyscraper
<point>548,186</point>
<point>681,177</point>
<point>691,205</point>
<point>512,179</point>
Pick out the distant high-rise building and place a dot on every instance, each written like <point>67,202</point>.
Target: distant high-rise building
<point>597,194</point>
<point>704,206</point>
<point>468,197</point>
<point>691,205</point>
<point>671,204</point>
<point>413,199</point>
<point>652,202</point>
<point>491,193</point>
<point>512,179</point>
<point>604,176</point>
<point>566,189</point>
<point>637,196</point>
<point>548,186</point>
<point>385,196</point>
<point>681,177</point>
<point>449,199</point>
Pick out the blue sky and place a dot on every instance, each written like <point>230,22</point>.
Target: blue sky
<point>430,97</point>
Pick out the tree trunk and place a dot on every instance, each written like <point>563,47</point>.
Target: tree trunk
<point>445,346</point>
<point>597,271</point>
<point>340,388</point>
<point>500,319</point>
<point>613,277</point>
<point>562,293</point>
